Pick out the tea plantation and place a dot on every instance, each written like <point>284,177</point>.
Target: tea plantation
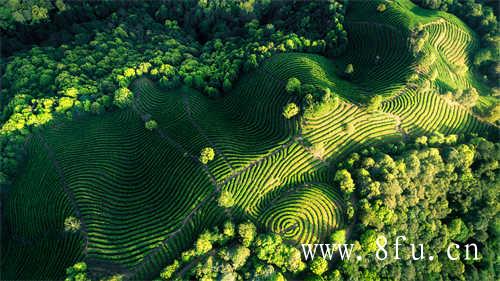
<point>143,181</point>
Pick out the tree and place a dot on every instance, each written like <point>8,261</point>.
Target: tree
<point>494,113</point>
<point>228,229</point>
<point>318,150</point>
<point>226,199</point>
<point>374,103</point>
<point>203,243</point>
<point>72,224</point>
<point>239,256</point>
<point>151,124</point>
<point>349,70</point>
<point>123,98</point>
<point>115,277</point>
<point>207,154</point>
<point>293,85</point>
<point>343,177</point>
<point>458,230</point>
<point>77,272</point>
<point>381,7</point>
<point>290,110</point>
<point>318,266</point>
<point>167,273</point>
<point>247,232</point>
<point>339,236</point>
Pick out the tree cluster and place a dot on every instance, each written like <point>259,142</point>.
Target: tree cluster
<point>203,44</point>
<point>435,191</point>
<point>315,100</point>
<point>241,253</point>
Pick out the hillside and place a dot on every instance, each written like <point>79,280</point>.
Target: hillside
<point>123,151</point>
<point>125,163</point>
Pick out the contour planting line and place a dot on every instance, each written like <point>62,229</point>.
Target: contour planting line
<point>67,190</point>
<point>187,108</point>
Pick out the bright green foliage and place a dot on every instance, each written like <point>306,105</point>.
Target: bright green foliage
<point>374,103</point>
<point>228,229</point>
<point>290,110</point>
<point>446,182</point>
<point>151,124</point>
<point>123,98</point>
<point>72,224</point>
<point>226,199</point>
<point>97,60</point>
<point>321,208</point>
<point>349,128</point>
<point>266,257</point>
<point>203,244</point>
<point>381,7</point>
<point>239,256</point>
<point>349,69</point>
<point>318,266</point>
<point>339,237</point>
<point>318,150</point>
<point>458,230</point>
<point>343,177</point>
<point>192,183</point>
<point>481,17</point>
<point>167,272</point>
<point>274,170</point>
<point>247,233</point>
<point>293,85</point>
<point>77,272</point>
<point>207,154</point>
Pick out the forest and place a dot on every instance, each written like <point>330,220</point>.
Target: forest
<point>209,139</point>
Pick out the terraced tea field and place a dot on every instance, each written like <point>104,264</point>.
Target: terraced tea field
<point>142,196</point>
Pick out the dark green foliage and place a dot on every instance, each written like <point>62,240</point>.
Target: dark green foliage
<point>434,191</point>
<point>27,12</point>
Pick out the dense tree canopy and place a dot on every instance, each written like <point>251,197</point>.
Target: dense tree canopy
<point>436,191</point>
<point>234,252</point>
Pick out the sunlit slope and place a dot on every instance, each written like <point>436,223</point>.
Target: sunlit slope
<point>424,112</point>
<point>144,196</point>
<point>448,49</point>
